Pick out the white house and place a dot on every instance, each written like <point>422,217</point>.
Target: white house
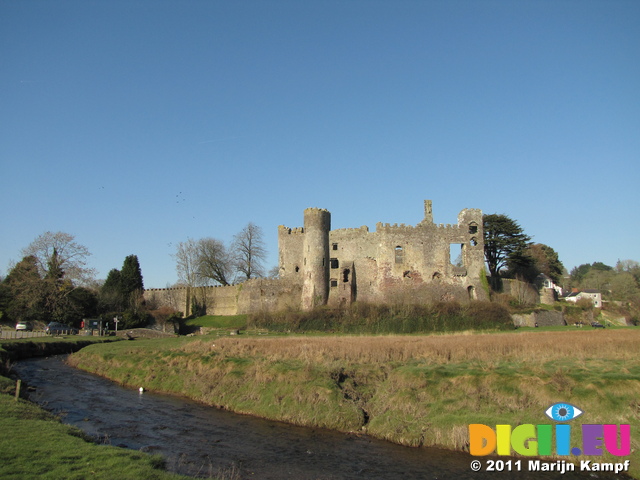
<point>594,295</point>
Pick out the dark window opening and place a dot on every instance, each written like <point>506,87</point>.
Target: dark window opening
<point>334,282</point>
<point>472,293</point>
<point>473,228</point>
<point>474,242</point>
<point>335,263</point>
<point>345,274</point>
<point>297,269</point>
<point>335,246</point>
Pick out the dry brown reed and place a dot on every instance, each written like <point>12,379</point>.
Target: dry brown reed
<point>436,349</point>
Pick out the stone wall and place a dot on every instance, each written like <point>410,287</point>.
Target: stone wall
<point>543,318</point>
<point>252,296</point>
<point>317,266</point>
<point>524,293</point>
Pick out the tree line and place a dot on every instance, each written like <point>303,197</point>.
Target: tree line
<point>509,253</point>
<point>52,282</point>
<point>208,261</point>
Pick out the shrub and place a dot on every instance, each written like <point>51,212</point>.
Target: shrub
<point>363,318</point>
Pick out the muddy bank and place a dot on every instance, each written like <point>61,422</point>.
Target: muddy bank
<point>22,349</point>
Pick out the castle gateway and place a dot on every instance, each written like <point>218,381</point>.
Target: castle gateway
<point>395,264</point>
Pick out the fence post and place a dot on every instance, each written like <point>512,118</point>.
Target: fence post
<point>18,384</point>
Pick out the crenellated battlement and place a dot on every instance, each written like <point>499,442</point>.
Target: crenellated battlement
<point>362,229</point>
<point>315,210</point>
<point>319,266</point>
<point>290,231</point>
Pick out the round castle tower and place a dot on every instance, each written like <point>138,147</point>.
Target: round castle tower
<point>315,254</point>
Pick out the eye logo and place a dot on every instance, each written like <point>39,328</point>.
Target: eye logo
<point>563,412</point>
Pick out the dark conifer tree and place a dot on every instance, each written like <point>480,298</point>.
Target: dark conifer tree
<point>131,276</point>
<point>111,292</point>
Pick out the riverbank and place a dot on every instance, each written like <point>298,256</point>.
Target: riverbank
<point>18,349</point>
<point>36,444</point>
<point>411,390</point>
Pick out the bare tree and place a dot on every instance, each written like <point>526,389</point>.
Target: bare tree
<point>187,267</point>
<point>249,251</point>
<point>172,296</point>
<point>187,263</point>
<point>214,261</point>
<point>60,250</point>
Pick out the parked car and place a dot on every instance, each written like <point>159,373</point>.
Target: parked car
<point>25,326</point>
<point>597,325</point>
<point>56,328</point>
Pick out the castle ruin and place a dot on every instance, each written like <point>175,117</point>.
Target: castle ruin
<point>319,266</point>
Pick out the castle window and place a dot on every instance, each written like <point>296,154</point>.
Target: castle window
<point>334,282</point>
<point>335,246</point>
<point>399,254</point>
<point>473,228</point>
<point>297,269</point>
<point>455,254</point>
<point>335,263</point>
<point>345,275</point>
<point>474,242</point>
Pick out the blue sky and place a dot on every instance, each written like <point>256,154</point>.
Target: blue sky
<point>135,125</point>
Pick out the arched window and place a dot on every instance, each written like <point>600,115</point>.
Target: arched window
<point>399,254</point>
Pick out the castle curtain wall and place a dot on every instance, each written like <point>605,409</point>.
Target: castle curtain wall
<point>396,263</point>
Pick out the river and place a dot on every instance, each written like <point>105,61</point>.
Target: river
<point>202,441</point>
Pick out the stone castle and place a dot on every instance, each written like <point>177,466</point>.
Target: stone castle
<point>319,266</point>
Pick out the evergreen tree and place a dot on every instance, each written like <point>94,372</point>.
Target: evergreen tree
<point>537,258</point>
<point>131,277</point>
<point>25,290</point>
<point>504,242</point>
<point>54,267</point>
<point>132,288</point>
<point>111,293</point>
